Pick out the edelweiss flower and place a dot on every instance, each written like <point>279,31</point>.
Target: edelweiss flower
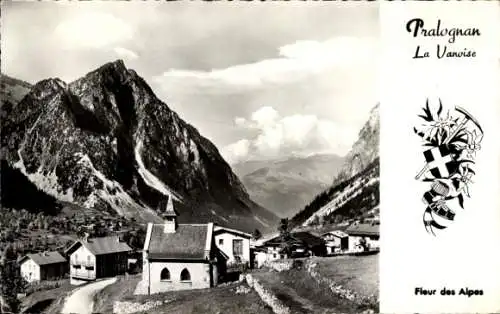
<point>440,128</point>
<point>473,143</point>
<point>464,177</point>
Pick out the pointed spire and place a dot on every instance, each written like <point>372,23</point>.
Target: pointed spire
<point>169,211</point>
<point>169,216</point>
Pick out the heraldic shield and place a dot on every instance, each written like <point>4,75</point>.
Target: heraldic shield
<point>441,162</point>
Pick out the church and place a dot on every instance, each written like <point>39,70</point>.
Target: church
<point>180,256</point>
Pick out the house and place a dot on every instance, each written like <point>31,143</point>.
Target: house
<point>43,266</point>
<point>363,232</point>
<point>94,258</point>
<point>301,244</point>
<point>336,241</point>
<point>234,243</point>
<point>180,256</point>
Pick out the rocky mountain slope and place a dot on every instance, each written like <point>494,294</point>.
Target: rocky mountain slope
<point>106,141</point>
<point>285,186</point>
<point>365,149</point>
<point>355,191</point>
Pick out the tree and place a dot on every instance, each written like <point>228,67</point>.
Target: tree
<point>256,234</point>
<point>286,245</point>
<point>10,277</point>
<point>283,227</point>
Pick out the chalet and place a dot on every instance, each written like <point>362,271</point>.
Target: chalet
<point>234,243</point>
<point>363,232</point>
<point>336,241</point>
<point>301,244</point>
<point>180,256</point>
<point>43,266</point>
<point>94,258</point>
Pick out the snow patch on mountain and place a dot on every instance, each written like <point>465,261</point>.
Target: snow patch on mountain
<point>46,182</point>
<point>149,178</point>
<point>113,192</point>
<point>261,221</point>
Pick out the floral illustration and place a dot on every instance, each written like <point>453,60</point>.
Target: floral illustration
<point>451,140</point>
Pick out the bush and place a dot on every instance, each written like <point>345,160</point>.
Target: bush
<point>297,264</point>
<point>45,285</point>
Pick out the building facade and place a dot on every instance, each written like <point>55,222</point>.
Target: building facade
<point>364,237</point>
<point>336,241</point>
<point>234,243</point>
<point>95,258</point>
<point>180,256</point>
<point>43,266</point>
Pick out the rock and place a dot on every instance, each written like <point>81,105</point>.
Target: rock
<point>105,141</point>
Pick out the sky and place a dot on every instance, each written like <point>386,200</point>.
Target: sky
<point>260,80</point>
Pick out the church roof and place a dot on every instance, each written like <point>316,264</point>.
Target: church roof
<point>189,241</point>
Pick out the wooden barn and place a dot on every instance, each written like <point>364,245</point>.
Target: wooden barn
<point>43,266</point>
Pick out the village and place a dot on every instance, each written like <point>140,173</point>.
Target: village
<point>187,257</point>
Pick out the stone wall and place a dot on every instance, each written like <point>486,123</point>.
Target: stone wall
<point>338,289</point>
<point>133,307</point>
<point>267,296</point>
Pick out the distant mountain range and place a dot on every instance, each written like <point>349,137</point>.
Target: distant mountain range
<point>106,141</point>
<point>12,90</point>
<point>355,190</point>
<point>285,186</point>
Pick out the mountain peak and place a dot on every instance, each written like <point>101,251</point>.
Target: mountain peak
<point>106,141</point>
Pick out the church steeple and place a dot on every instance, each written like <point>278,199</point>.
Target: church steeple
<point>169,217</point>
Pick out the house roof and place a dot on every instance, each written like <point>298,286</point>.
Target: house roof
<point>101,246</point>
<point>220,229</point>
<point>301,238</point>
<point>337,233</point>
<point>189,241</point>
<point>363,229</point>
<point>45,258</point>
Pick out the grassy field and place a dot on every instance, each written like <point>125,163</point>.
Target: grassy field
<point>357,273</point>
<point>121,290</point>
<point>222,299</point>
<point>46,301</point>
<point>298,290</point>
<point>303,295</point>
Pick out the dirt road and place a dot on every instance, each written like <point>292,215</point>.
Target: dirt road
<point>81,301</point>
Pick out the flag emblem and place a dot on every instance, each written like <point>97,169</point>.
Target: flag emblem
<point>441,163</point>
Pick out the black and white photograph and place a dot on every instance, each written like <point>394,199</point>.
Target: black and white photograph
<point>189,157</point>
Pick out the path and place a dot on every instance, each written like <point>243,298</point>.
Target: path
<point>82,299</point>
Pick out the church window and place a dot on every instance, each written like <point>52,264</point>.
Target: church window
<point>185,275</point>
<point>165,274</point>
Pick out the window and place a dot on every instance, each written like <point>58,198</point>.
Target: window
<point>221,241</point>
<point>185,275</point>
<point>165,274</point>
<point>237,247</point>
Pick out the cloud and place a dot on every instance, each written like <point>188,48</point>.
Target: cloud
<point>239,121</point>
<point>298,134</point>
<point>125,53</point>
<point>92,30</point>
<point>237,151</point>
<point>265,116</point>
<point>295,62</point>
